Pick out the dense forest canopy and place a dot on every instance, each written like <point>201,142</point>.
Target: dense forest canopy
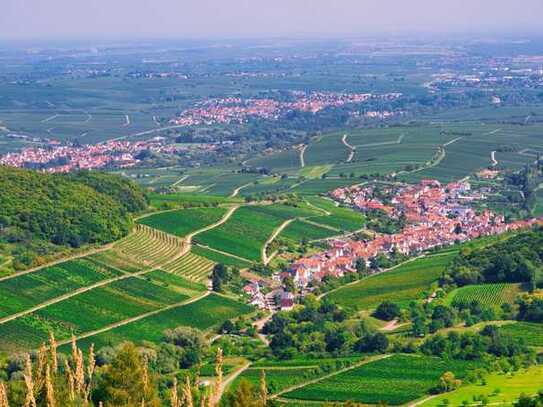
<point>41,211</point>
<point>514,260</point>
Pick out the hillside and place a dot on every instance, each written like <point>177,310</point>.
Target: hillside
<point>43,214</point>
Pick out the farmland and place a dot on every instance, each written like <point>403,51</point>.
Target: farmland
<point>339,218</point>
<point>183,221</point>
<point>301,230</point>
<point>202,314</point>
<point>401,285</point>
<point>245,233</point>
<point>191,267</point>
<point>218,257</point>
<point>95,309</point>
<point>23,292</point>
<point>530,333</point>
<point>393,380</point>
<point>490,295</point>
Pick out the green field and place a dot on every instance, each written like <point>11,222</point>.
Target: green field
<point>530,333</point>
<point>490,295</point>
<point>247,230</point>
<point>394,380</point>
<point>183,221</point>
<point>202,314</point>
<point>340,218</point>
<point>510,388</point>
<point>220,258</point>
<point>401,285</point>
<point>301,230</point>
<point>95,309</point>
<point>188,199</point>
<point>191,267</point>
<point>23,292</point>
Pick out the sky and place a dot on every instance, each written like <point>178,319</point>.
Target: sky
<point>120,19</point>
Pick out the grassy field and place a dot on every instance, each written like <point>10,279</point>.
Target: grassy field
<point>245,233</point>
<point>191,267</point>
<point>401,285</point>
<point>202,314</point>
<point>510,387</point>
<point>23,292</point>
<point>184,221</point>
<point>340,218</point>
<point>394,380</point>
<point>530,333</point>
<point>490,295</point>
<point>301,230</point>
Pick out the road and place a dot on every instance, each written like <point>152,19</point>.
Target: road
<point>350,147</point>
<point>302,160</point>
<point>493,158</point>
<point>236,191</point>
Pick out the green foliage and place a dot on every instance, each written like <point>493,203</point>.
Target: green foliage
<point>184,221</point>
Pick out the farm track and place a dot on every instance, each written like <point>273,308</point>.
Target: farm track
<point>230,379</point>
<point>302,160</point>
<point>276,232</point>
<point>134,319</point>
<point>352,149</point>
<point>236,191</point>
<point>180,180</point>
<point>346,369</point>
<point>493,158</point>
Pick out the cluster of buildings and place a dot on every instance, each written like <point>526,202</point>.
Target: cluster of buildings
<point>435,215</point>
<point>237,110</point>
<point>64,158</point>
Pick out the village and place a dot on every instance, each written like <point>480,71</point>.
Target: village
<point>435,215</point>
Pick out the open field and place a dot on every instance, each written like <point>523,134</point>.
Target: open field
<point>23,292</point>
<point>217,257</point>
<point>394,380</point>
<point>527,381</point>
<point>183,221</point>
<point>202,314</point>
<point>530,333</point>
<point>402,285</point>
<point>246,232</point>
<point>191,267</point>
<point>490,295</point>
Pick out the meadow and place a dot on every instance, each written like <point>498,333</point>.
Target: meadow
<point>247,230</point>
<point>394,380</point>
<point>401,285</point>
<point>183,221</point>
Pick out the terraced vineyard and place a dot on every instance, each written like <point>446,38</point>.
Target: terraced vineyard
<point>217,257</point>
<point>145,248</point>
<point>393,380</point>
<point>300,230</point>
<point>183,221</point>
<point>490,295</point>
<point>191,267</point>
<point>530,333</point>
<point>401,285</point>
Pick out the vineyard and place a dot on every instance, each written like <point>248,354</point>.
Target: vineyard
<point>191,267</point>
<point>530,333</point>
<point>202,314</point>
<point>20,293</point>
<point>490,295</point>
<point>145,248</point>
<point>95,309</point>
<point>394,380</point>
<point>183,221</point>
<point>401,285</point>
<point>246,232</point>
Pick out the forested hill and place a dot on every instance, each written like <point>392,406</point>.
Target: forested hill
<point>43,213</point>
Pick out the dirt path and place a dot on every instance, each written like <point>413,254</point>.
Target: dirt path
<point>493,158</point>
<point>424,400</point>
<point>231,378</point>
<point>392,325</point>
<point>352,149</point>
<point>448,143</point>
<point>50,118</point>
<point>236,191</point>
<point>318,379</point>
<point>180,180</point>
<point>259,324</point>
<point>302,160</point>
<point>127,120</point>
<point>134,319</point>
<point>276,232</point>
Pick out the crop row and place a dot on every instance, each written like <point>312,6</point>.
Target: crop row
<point>191,267</point>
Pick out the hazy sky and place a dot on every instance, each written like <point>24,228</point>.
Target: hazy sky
<point>65,19</point>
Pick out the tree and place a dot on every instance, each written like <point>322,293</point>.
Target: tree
<point>219,275</point>
<point>361,267</point>
<point>448,382</point>
<point>126,382</point>
<point>387,311</point>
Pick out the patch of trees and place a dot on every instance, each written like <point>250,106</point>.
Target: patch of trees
<point>517,259</point>
<point>530,308</point>
<point>43,213</point>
